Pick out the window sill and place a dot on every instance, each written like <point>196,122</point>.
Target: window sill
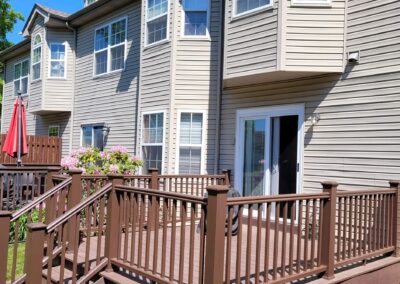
<point>251,13</point>
<point>107,75</point>
<point>195,38</point>
<point>311,5</point>
<point>36,81</point>
<point>154,44</point>
<point>56,79</point>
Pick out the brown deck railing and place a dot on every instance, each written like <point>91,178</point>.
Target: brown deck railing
<point>42,150</point>
<point>170,237</point>
<point>20,185</point>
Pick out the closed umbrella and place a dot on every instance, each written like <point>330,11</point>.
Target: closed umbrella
<point>15,144</point>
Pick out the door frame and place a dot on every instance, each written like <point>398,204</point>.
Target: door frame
<point>268,112</point>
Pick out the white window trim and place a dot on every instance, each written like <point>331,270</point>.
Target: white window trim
<point>54,60</point>
<point>164,112</point>
<point>20,78</point>
<point>54,126</point>
<point>34,47</point>
<point>91,125</point>
<point>147,19</point>
<point>308,3</point>
<point>109,47</point>
<point>203,139</point>
<point>280,110</point>
<point>183,12</point>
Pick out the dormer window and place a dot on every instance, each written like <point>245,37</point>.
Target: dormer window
<point>156,20</point>
<point>37,58</point>
<point>247,6</point>
<point>196,17</point>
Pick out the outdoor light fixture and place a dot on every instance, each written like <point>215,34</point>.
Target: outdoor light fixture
<point>353,56</point>
<point>315,118</point>
<point>106,130</point>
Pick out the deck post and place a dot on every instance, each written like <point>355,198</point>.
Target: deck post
<point>154,183</point>
<point>35,239</point>
<point>395,185</point>
<point>74,197</point>
<point>227,174</point>
<point>328,229</point>
<point>215,226</point>
<point>112,229</point>
<point>51,171</point>
<point>5,217</point>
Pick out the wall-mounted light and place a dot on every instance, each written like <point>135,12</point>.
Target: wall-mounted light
<point>315,118</point>
<point>353,56</point>
<point>106,130</point>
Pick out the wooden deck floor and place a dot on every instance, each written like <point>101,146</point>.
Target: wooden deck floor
<point>174,260</point>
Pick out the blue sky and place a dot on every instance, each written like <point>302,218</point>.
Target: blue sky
<point>25,7</point>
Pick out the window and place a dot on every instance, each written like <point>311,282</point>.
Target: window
<point>156,20</point>
<point>312,2</point>
<point>110,45</point>
<point>57,60</point>
<point>21,74</point>
<point>244,6</point>
<point>54,130</point>
<point>37,58</point>
<point>196,17</point>
<point>92,136</point>
<point>152,140</point>
<point>190,143</point>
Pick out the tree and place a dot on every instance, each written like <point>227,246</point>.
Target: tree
<point>8,18</point>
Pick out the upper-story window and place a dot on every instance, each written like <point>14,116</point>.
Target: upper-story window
<point>57,60</point>
<point>245,6</point>
<point>21,74</point>
<point>37,58</point>
<point>110,45</point>
<point>196,17</point>
<point>156,20</point>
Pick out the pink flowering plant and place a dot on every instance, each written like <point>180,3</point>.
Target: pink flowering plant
<point>92,161</point>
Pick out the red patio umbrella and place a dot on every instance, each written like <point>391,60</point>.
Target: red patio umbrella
<point>15,144</point>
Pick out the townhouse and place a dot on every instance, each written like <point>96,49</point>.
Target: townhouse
<point>287,93</point>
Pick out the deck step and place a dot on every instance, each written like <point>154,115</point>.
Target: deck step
<point>55,275</point>
<point>121,278</point>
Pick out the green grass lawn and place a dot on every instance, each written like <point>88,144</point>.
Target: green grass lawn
<point>20,260</point>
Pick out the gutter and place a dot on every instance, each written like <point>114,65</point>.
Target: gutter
<point>220,89</point>
<point>71,134</point>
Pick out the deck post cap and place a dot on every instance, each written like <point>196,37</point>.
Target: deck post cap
<point>5,213</point>
<point>217,189</point>
<point>394,183</point>
<point>75,171</point>
<point>32,227</point>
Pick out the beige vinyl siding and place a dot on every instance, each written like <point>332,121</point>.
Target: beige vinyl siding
<point>111,98</point>
<point>357,140</point>
<point>314,38</point>
<point>59,91</point>
<point>42,123</point>
<point>251,42</point>
<point>196,81</point>
<point>9,96</point>
<point>37,86</point>
<point>155,79</point>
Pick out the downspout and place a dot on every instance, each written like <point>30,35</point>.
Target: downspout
<point>71,134</point>
<point>220,88</point>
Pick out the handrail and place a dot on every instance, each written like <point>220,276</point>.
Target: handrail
<point>28,168</point>
<point>39,200</point>
<point>275,198</point>
<point>365,192</point>
<point>191,176</point>
<point>60,177</point>
<point>164,194</point>
<point>63,218</point>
